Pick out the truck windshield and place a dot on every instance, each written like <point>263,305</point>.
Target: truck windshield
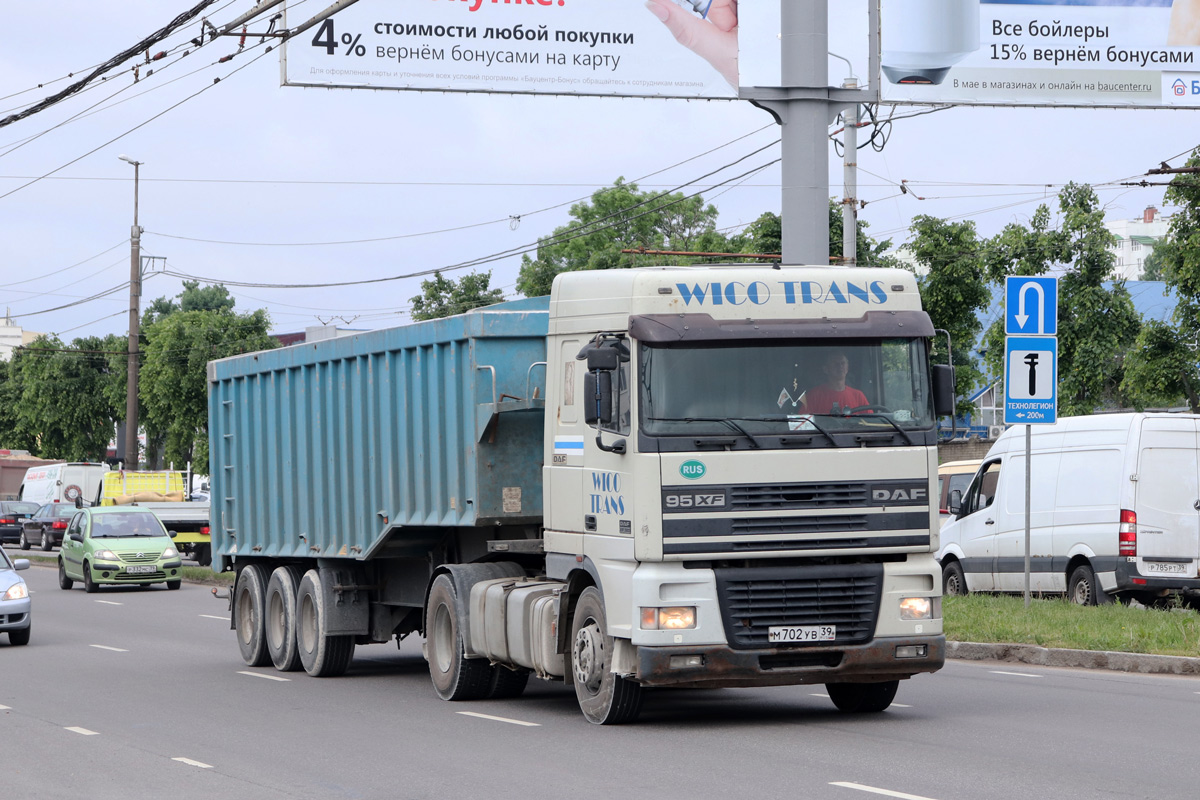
<point>773,388</point>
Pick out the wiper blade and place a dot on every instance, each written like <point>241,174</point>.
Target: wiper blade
<point>723,420</point>
<point>733,424</point>
<point>891,422</point>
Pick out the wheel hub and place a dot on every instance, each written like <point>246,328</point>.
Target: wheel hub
<point>587,657</point>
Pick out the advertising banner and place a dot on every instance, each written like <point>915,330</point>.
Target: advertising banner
<point>625,48</point>
<point>1143,53</point>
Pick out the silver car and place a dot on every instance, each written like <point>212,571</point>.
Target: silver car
<point>14,600</point>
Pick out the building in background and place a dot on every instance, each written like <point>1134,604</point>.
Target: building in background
<point>13,335</point>
<point>1135,242</point>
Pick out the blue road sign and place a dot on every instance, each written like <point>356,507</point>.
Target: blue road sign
<point>1030,380</point>
<point>1031,306</point>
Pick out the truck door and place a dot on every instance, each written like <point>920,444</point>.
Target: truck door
<point>1167,493</point>
<point>608,480</point>
<point>977,528</point>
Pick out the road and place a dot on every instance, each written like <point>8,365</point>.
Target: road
<point>141,693</point>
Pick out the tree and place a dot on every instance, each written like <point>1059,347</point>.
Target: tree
<point>174,374</point>
<point>441,297</point>
<point>64,397</point>
<point>621,217</point>
<point>867,251</point>
<point>952,292</point>
<point>1163,364</point>
<point>194,297</point>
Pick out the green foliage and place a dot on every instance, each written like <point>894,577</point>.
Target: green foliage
<point>173,379</point>
<point>65,399</point>
<point>867,251</point>
<point>952,292</point>
<point>1163,368</point>
<point>194,297</point>
<point>620,217</point>
<point>442,297</point>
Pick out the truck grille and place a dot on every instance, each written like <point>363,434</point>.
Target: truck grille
<point>799,495</point>
<point>753,600</point>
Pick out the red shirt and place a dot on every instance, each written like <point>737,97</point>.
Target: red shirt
<point>820,399</point>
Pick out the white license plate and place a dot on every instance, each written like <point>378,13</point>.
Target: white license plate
<point>140,569</point>
<point>1165,568</point>
<point>801,633</point>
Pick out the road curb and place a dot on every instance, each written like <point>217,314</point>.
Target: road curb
<point>1086,659</point>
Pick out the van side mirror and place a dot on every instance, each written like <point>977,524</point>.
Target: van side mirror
<point>955,503</point>
<point>943,390</point>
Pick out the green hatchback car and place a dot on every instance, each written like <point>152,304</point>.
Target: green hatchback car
<point>117,545</point>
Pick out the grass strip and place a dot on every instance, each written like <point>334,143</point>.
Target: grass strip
<point>1056,622</point>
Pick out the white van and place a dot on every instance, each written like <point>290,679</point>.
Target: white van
<point>1115,507</point>
<point>62,483</point>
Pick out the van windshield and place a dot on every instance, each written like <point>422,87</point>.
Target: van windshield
<point>777,387</point>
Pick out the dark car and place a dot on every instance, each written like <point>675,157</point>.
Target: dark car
<point>12,515</point>
<point>47,527</point>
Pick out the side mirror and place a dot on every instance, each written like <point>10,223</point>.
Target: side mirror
<point>79,501</point>
<point>603,358</point>
<point>955,504</point>
<point>597,389</point>
<point>172,534</point>
<point>20,563</point>
<point>943,390</point>
<point>76,537</point>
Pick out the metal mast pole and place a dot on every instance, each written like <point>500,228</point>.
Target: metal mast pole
<point>135,292</point>
<point>850,201</point>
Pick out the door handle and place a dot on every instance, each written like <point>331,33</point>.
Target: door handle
<point>989,522</point>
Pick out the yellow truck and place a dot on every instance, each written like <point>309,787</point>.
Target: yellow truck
<point>165,492</point>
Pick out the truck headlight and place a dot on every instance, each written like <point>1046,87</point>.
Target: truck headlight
<point>916,608</point>
<point>18,591</point>
<point>675,618</point>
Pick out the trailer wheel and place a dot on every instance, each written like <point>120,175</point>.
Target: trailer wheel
<point>321,655</point>
<point>507,683</point>
<point>203,555</point>
<point>604,697</point>
<point>454,676</point>
<point>862,698</point>
<point>280,619</point>
<point>249,599</point>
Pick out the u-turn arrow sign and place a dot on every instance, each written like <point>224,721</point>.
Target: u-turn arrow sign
<point>1031,306</point>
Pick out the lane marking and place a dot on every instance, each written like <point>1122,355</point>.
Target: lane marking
<point>264,675</point>
<point>9,708</point>
<point>900,705</point>
<point>106,647</point>
<point>110,603</point>
<point>1014,674</point>
<point>191,763</point>
<point>818,694</point>
<point>210,616</point>
<point>873,790</point>
<point>83,731</point>
<point>500,719</point>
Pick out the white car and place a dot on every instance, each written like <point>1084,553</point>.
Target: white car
<point>14,600</point>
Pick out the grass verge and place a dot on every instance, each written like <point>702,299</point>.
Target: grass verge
<point>1055,622</point>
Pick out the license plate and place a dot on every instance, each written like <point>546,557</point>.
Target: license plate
<point>1165,568</point>
<point>140,569</point>
<point>801,633</point>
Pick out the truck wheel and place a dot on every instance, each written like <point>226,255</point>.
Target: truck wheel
<point>248,601</point>
<point>862,698</point>
<point>1084,589</point>
<point>322,655</point>
<point>604,697</point>
<point>203,555</point>
<point>455,677</point>
<point>280,624</point>
<point>954,582</point>
<point>89,585</point>
<point>507,683</point>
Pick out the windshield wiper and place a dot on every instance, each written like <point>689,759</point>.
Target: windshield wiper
<point>891,422</point>
<point>724,420</point>
<point>733,424</point>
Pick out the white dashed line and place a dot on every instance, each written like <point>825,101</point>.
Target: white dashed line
<point>105,647</point>
<point>191,763</point>
<point>264,675</point>
<point>8,708</point>
<point>874,790</point>
<point>818,694</point>
<point>499,719</point>
<point>1014,674</point>
<point>210,616</point>
<point>900,705</point>
<point>83,731</point>
<point>110,603</point>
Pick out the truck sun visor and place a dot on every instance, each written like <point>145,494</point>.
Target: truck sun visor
<point>668,328</point>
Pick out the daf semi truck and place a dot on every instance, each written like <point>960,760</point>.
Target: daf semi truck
<point>661,477</point>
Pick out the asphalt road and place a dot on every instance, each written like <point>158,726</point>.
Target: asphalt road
<point>132,693</point>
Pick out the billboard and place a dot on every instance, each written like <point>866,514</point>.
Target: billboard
<point>626,48</point>
<point>1127,53</point>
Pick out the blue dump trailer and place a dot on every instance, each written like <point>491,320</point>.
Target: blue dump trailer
<point>624,485</point>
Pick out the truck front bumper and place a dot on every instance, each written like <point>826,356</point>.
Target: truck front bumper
<point>723,667</point>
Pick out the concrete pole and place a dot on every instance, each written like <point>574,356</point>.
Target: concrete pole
<point>850,171</point>
<point>805,123</point>
<point>135,292</point>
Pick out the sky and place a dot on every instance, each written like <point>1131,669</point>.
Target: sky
<point>248,180</point>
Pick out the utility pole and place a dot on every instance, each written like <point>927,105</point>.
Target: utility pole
<point>135,293</point>
<point>850,180</point>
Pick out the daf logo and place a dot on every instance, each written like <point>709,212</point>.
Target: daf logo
<point>886,495</point>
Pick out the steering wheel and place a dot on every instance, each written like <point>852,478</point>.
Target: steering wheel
<point>868,408</point>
